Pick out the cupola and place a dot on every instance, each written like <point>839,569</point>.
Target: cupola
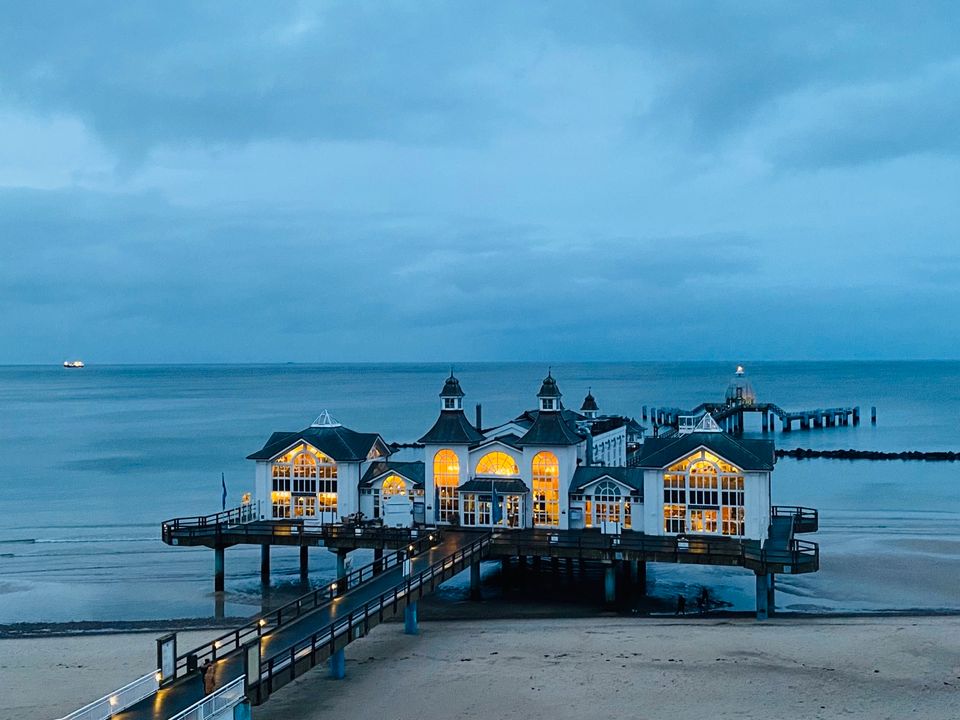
<point>451,397</point>
<point>549,394</point>
<point>589,407</point>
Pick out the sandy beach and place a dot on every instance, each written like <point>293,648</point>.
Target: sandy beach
<point>861,667</point>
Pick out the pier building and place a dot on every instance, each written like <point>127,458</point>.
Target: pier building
<point>551,483</point>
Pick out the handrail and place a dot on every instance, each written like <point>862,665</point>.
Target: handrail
<point>118,700</point>
<point>792,510</point>
<point>238,515</point>
<point>215,703</point>
<point>285,614</point>
<point>329,634</point>
<point>190,528</point>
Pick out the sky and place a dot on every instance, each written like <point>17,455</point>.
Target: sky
<point>442,181</point>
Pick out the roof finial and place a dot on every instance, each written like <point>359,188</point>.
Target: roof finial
<point>451,370</point>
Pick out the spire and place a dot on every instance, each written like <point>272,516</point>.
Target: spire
<point>549,394</point>
<point>325,420</point>
<point>451,397</point>
<point>589,407</point>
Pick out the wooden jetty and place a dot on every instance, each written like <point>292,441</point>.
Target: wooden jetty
<point>731,416</point>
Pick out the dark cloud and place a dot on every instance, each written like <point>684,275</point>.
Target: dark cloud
<point>341,181</point>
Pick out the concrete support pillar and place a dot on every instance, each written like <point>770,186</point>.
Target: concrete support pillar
<point>764,421</point>
<point>873,415</point>
<point>242,710</point>
<point>640,576</point>
<point>338,665</point>
<point>264,564</point>
<point>218,569</point>
<point>787,425</point>
<point>342,563</point>
<point>377,562</point>
<point>771,595</point>
<point>304,563</point>
<point>610,584</point>
<point>475,580</point>
<point>410,624</point>
<point>763,590</point>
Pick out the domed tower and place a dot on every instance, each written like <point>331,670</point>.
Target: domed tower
<point>446,448</point>
<point>740,391</point>
<point>589,409</point>
<point>549,394</point>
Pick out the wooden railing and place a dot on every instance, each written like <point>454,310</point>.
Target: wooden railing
<point>804,519</point>
<point>340,632</point>
<point>270,622</point>
<point>802,555</point>
<point>206,523</point>
<point>118,700</point>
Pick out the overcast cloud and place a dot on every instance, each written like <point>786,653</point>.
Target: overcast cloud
<point>184,181</point>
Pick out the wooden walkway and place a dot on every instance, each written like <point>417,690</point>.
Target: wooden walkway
<point>313,629</point>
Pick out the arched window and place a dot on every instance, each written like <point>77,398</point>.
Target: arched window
<point>394,485</point>
<point>304,466</point>
<point>304,481</point>
<point>703,494</point>
<point>606,503</point>
<point>497,463</point>
<point>446,479</point>
<point>546,489</point>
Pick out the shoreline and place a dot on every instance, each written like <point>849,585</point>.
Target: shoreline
<point>34,631</point>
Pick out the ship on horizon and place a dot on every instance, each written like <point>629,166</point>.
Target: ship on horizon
<point>73,363</point>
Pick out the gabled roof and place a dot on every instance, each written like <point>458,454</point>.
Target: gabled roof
<point>745,454</point>
<point>412,471</point>
<point>452,428</point>
<point>340,443</point>
<point>508,439</point>
<point>631,477</point>
<point>550,428</point>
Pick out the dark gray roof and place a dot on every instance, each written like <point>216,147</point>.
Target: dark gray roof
<point>502,485</point>
<point>412,471</point>
<point>340,443</point>
<point>589,403</point>
<point>745,454</point>
<point>631,477</point>
<point>451,388</point>
<point>528,417</point>
<point>550,428</point>
<point>510,439</point>
<point>606,424</point>
<point>452,428</point>
<point>549,388</point>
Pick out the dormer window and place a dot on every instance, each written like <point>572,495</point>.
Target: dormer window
<point>449,403</point>
<point>547,403</point>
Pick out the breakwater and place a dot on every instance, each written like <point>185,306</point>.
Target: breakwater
<point>807,453</point>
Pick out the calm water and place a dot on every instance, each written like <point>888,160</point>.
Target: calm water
<point>94,459</point>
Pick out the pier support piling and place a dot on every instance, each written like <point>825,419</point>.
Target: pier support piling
<point>218,569</point>
<point>771,595</point>
<point>610,584</point>
<point>873,415</point>
<point>342,563</point>
<point>338,665</point>
<point>377,561</point>
<point>411,626</point>
<point>264,564</point>
<point>475,581</point>
<point>763,582</point>
<point>304,563</point>
<point>640,577</point>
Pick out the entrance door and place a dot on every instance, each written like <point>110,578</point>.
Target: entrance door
<point>704,520</point>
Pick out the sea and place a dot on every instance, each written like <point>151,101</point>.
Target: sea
<point>92,460</point>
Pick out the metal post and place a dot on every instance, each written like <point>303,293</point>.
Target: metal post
<point>610,584</point>
<point>338,665</point>
<point>771,595</point>
<point>264,564</point>
<point>410,624</point>
<point>475,580</point>
<point>218,569</point>
<point>378,561</point>
<point>762,596</point>
<point>304,563</point>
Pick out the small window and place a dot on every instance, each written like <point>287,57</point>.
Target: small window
<point>548,404</point>
<point>449,404</point>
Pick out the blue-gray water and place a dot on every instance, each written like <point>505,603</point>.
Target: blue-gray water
<point>94,459</point>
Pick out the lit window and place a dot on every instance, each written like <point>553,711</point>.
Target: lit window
<point>497,463</point>
<point>546,489</point>
<point>304,481</point>
<point>446,478</point>
<point>606,503</point>
<point>703,494</point>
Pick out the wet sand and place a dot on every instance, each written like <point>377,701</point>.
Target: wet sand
<point>858,667</point>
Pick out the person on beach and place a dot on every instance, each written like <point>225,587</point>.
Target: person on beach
<point>681,605</point>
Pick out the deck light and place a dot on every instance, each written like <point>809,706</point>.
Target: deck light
<point>410,548</point>
<point>113,700</point>
<point>262,622</point>
<point>158,675</point>
<point>333,587</point>
<point>217,644</point>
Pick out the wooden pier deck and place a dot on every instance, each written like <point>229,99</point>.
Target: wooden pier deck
<point>730,417</point>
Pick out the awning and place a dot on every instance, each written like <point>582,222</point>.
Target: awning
<point>503,486</point>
